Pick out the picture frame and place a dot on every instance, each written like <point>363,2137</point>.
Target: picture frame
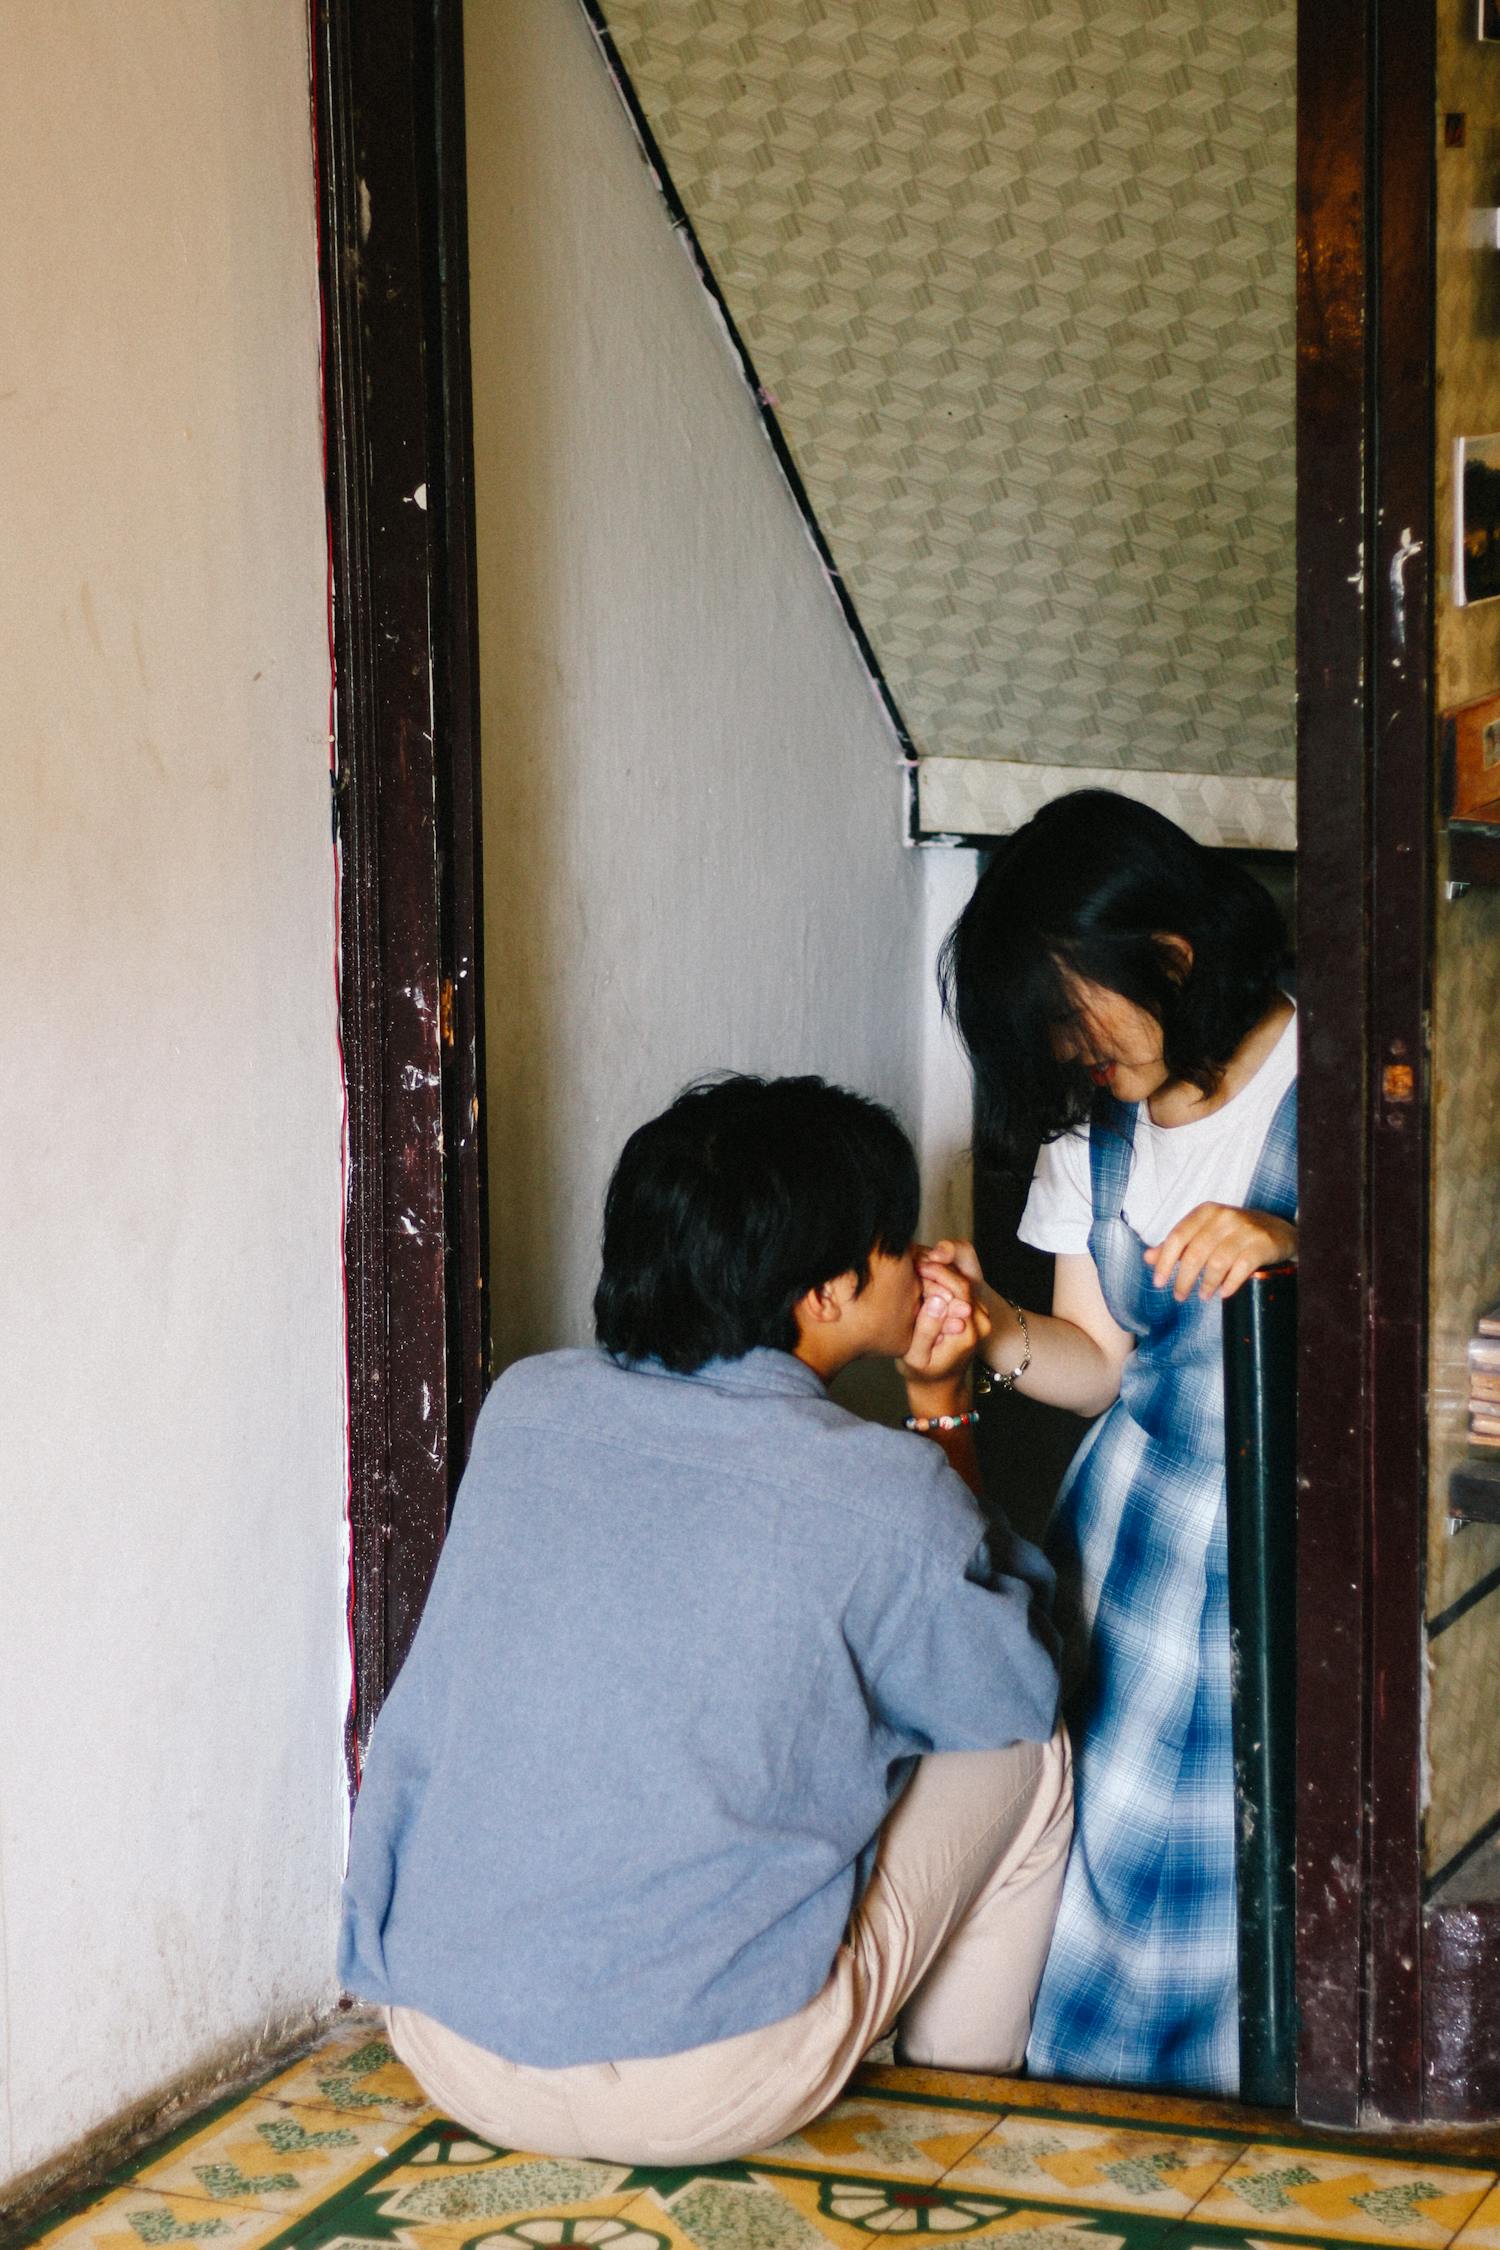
<point>1471,761</point>
<point>1476,519</point>
<point>1487,24</point>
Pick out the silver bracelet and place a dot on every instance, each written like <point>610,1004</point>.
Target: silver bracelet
<point>989,1378</point>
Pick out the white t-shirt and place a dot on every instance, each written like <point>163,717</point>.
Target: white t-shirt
<point>1176,1166</point>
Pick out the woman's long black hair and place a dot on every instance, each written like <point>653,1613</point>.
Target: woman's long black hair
<point>1088,890</point>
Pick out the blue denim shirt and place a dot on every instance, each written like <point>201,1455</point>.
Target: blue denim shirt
<point>686,1638</point>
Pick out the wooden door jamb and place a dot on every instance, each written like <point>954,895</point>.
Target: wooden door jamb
<point>1365,542</point>
<point>388,127</point>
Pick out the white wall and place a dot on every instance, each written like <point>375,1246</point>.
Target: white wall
<point>945,1120</point>
<point>172,1671</point>
<point>692,803</point>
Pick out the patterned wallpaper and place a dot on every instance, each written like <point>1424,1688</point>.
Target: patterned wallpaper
<point>1019,282</point>
<point>991,796</point>
<point>1465,1656</point>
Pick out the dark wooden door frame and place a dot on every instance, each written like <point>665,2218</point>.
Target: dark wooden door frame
<point>388,127</point>
<point>1365,534</point>
<point>389,120</point>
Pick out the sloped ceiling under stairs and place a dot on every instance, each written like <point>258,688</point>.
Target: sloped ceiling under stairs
<point>1017,278</point>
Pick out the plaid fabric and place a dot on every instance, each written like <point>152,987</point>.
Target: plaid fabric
<point>1140,1986</point>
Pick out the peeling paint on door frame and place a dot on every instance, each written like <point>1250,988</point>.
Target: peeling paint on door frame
<point>388,125</point>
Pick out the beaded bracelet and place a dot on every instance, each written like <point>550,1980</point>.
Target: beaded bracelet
<point>922,1423</point>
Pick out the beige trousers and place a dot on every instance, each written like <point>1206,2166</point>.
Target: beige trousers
<point>948,1942</point>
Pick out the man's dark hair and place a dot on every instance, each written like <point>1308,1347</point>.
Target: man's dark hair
<point>737,1200</point>
<point>1088,889</point>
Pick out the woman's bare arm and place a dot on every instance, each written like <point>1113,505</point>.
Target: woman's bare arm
<point>1077,1350</point>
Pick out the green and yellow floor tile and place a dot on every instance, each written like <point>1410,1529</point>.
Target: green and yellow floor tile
<point>341,2151</point>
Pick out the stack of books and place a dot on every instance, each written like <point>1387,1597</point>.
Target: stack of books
<point>1484,1382</point>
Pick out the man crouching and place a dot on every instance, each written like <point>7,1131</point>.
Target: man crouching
<point>726,1741</point>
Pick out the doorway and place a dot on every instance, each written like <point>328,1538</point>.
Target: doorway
<point>402,220</point>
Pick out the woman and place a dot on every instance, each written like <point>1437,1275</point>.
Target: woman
<point>1117,988</point>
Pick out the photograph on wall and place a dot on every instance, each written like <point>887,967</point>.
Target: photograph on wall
<point>1476,527</point>
<point>1489,19</point>
<point>1471,778</point>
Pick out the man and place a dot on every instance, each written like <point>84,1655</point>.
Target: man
<point>727,1739</point>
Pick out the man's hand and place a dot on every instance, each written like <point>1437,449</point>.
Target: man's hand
<point>1217,1247</point>
<point>947,1333</point>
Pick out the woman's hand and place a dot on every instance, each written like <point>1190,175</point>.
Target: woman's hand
<point>959,1262</point>
<point>1217,1247</point>
<point>954,1265</point>
<point>949,1330</point>
<point>946,1272</point>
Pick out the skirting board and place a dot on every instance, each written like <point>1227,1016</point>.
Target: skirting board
<point>993,796</point>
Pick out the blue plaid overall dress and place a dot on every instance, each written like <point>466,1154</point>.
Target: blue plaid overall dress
<point>1140,1986</point>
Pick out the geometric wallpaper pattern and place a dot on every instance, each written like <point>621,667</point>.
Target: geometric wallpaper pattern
<point>1018,281</point>
<point>994,796</point>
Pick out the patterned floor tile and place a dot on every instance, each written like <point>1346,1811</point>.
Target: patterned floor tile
<point>738,2208</point>
<point>340,2151</point>
<point>444,2189</point>
<point>445,2181</point>
<point>132,2218</point>
<point>1344,2197</point>
<point>535,2207</point>
<point>1482,2231</point>
<point>587,2227</point>
<point>355,2073</point>
<point>1061,2161</point>
<point>1192,2234</point>
<point>891,2140</point>
<point>270,2156</point>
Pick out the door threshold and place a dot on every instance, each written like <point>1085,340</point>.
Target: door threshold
<point>1213,2119</point>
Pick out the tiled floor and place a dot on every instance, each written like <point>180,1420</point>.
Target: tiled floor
<point>341,2152</point>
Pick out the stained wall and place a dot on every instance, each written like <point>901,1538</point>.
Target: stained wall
<point>1464,1566</point>
<point>692,803</point>
<point>172,1664</point>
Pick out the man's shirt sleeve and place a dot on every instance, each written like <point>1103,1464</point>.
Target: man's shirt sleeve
<point>965,1655</point>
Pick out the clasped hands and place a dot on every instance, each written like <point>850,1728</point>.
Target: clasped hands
<point>950,1326</point>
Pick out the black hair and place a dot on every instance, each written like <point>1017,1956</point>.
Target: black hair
<point>732,1204</point>
<point>1089,889</point>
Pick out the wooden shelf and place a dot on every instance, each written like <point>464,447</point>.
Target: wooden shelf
<point>1474,1491</point>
